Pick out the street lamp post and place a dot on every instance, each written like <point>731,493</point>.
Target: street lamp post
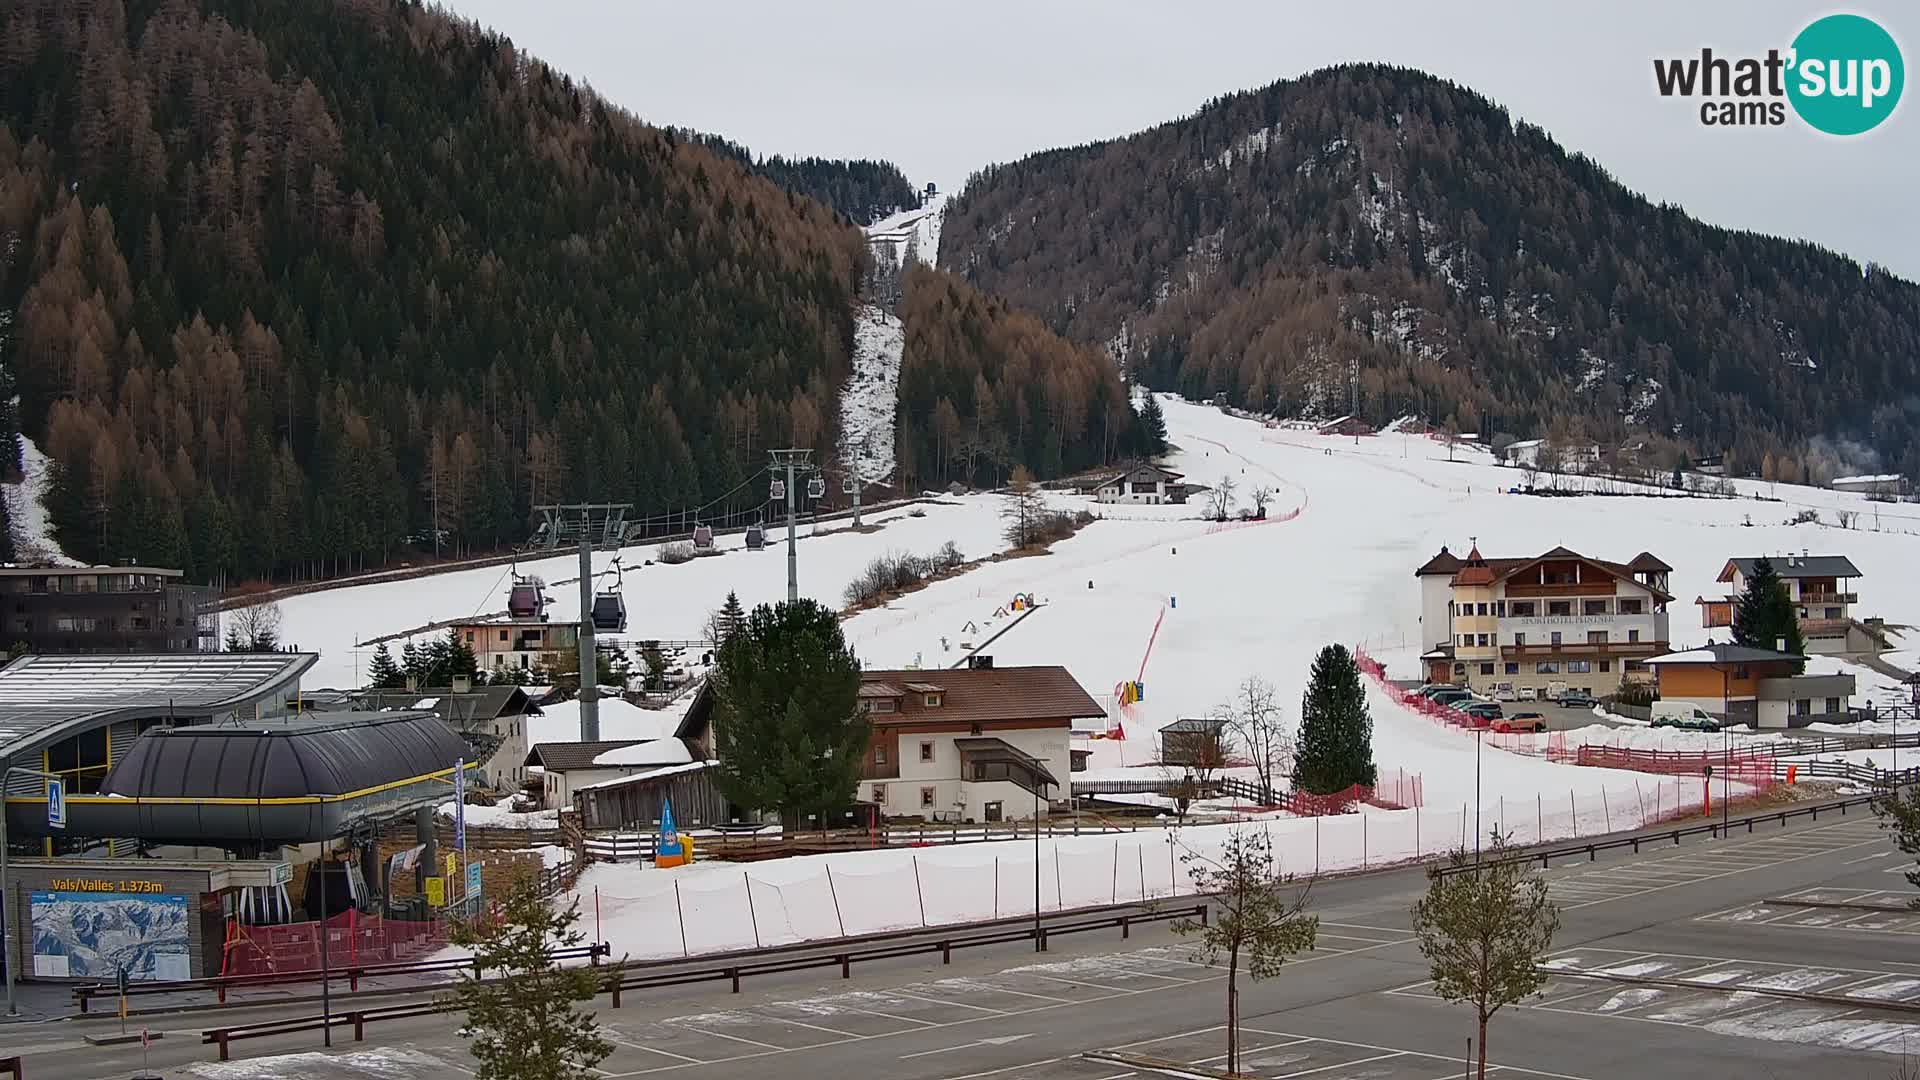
<point>1039,939</point>
<point>7,928</point>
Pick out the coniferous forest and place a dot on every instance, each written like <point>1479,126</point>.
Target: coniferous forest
<point>1468,266</point>
<point>296,279</point>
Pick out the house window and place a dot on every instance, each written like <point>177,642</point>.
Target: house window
<point>1466,640</point>
<point>1596,637</point>
<point>1480,609</point>
<point>879,793</point>
<point>1635,665</point>
<point>1520,640</point>
<point>1556,638</point>
<point>1833,613</point>
<point>933,701</point>
<point>1483,640</point>
<point>926,751</point>
<point>1593,607</point>
<point>1500,609</point>
<point>1522,609</point>
<point>1546,667</point>
<point>1486,669</point>
<point>1803,707</point>
<point>1560,607</point>
<point>926,796</point>
<point>1579,667</point>
<point>1630,605</point>
<point>469,637</point>
<point>1513,669</point>
<point>879,755</point>
<point>1633,635</point>
<point>1741,671</point>
<point>1459,669</point>
<point>1833,705</point>
<point>503,635</point>
<point>1606,665</point>
<point>880,705</point>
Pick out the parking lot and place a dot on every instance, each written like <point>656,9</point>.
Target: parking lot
<point>1580,884</point>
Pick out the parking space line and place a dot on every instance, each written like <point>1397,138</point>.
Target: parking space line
<point>662,1053</point>
<point>1010,1068</point>
<point>964,1005</point>
<point>1393,1051</point>
<point>738,1039</point>
<point>816,1027</point>
<point>1343,1064</point>
<point>1089,982</point>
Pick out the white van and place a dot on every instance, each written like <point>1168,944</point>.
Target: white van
<point>1683,714</point>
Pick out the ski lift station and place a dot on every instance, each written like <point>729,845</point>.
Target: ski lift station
<point>193,787</point>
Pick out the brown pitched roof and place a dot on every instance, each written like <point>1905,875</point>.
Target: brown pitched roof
<point>562,756</point>
<point>1501,569</point>
<point>975,695</point>
<point>1646,560</point>
<point>1444,563</point>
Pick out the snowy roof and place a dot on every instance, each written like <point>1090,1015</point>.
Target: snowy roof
<point>1795,566</point>
<point>619,719</point>
<point>1723,654</point>
<point>562,756</point>
<point>43,697</point>
<point>649,775</point>
<point>975,695</point>
<point>653,752</point>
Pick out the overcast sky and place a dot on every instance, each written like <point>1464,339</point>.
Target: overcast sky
<point>943,89</point>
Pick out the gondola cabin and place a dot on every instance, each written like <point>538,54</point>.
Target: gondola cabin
<point>527,599</point>
<point>703,537</point>
<point>609,613</point>
<point>816,488</point>
<point>756,537</point>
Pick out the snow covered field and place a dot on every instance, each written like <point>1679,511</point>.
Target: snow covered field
<point>668,603</point>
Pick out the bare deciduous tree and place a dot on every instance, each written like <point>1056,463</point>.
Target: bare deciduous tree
<point>1220,499</point>
<point>1258,722</point>
<point>1262,494</point>
<point>254,629</point>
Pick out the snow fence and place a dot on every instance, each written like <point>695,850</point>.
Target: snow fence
<point>647,913</point>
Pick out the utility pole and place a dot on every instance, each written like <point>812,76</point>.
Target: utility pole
<point>589,678</point>
<point>858,482</point>
<point>795,462</point>
<point>1355,410</point>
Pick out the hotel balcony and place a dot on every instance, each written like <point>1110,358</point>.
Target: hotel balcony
<point>1584,648</point>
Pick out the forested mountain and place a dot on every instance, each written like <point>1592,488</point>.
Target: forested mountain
<point>295,279</point>
<point>984,388</point>
<point>1470,267</point>
<point>864,190</point>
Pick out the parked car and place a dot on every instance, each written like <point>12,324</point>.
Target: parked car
<point>1455,698</point>
<point>1483,710</point>
<point>1521,721</point>
<point>1577,699</point>
<point>1683,715</point>
<point>1505,692</point>
<point>1433,688</point>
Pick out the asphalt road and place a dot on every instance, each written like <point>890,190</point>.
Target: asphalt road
<point>1692,937</point>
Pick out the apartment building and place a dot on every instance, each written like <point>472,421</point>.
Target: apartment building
<point>499,644</point>
<point>1536,624</point>
<point>1823,593</point>
<point>108,609</point>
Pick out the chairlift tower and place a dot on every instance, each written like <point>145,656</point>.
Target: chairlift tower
<point>793,462</point>
<point>589,678</point>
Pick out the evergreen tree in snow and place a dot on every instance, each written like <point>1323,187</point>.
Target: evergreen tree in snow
<point>1764,615</point>
<point>785,691</point>
<point>1153,427</point>
<point>1335,748</point>
<point>383,673</point>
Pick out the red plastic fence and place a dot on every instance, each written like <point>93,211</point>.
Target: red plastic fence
<point>352,939</point>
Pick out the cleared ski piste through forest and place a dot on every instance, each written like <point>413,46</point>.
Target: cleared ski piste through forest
<point>1348,524</point>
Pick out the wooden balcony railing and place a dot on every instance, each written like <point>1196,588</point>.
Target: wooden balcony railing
<point>1589,648</point>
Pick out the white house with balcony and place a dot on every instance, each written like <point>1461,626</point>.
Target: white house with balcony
<point>1824,597</point>
<point>1528,626</point>
<point>1141,484</point>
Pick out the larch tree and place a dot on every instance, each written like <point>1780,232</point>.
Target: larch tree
<point>1258,920</point>
<point>1485,928</point>
<point>523,1015</point>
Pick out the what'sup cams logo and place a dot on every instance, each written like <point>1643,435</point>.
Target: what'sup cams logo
<point>1842,75</point>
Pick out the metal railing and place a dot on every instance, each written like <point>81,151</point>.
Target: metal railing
<point>1591,849</point>
<point>731,968</point>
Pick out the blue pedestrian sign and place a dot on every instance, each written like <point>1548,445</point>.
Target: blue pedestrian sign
<point>56,804</point>
<point>473,880</point>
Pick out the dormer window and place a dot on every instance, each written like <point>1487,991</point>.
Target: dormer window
<point>933,701</point>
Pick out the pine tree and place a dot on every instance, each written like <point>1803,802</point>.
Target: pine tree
<point>1764,615</point>
<point>528,1025</point>
<point>383,673</point>
<point>460,658</point>
<point>1335,749</point>
<point>413,664</point>
<point>785,691</point>
<point>728,619</point>
<point>1485,929</point>
<point>1153,427</point>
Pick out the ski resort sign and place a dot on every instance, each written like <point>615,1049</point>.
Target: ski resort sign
<point>1841,75</point>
